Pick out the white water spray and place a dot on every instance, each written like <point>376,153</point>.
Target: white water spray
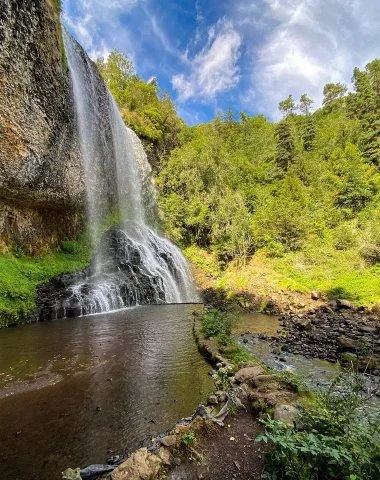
<point>148,268</point>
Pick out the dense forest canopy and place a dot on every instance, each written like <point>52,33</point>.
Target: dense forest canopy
<point>305,188</point>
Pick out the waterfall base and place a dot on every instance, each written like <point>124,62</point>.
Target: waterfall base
<point>132,266</point>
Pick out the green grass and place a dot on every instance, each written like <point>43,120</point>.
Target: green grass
<point>203,260</point>
<point>236,353</point>
<point>19,276</point>
<point>336,273</point>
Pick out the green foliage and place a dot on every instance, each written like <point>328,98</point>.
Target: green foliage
<point>237,354</point>
<point>215,322</point>
<point>285,146</point>
<point>243,186</point>
<point>287,106</point>
<point>308,134</point>
<point>305,104</point>
<point>336,438</point>
<point>19,276</point>
<point>58,6</point>
<point>188,438</point>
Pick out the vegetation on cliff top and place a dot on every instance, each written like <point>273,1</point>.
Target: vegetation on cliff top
<point>302,194</point>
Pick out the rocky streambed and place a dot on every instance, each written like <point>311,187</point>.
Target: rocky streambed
<point>334,332</point>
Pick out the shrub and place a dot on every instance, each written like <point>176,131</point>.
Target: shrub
<point>336,439</point>
<point>188,438</point>
<point>216,323</point>
<point>345,237</point>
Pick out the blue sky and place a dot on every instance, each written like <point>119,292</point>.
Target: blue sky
<point>249,55</point>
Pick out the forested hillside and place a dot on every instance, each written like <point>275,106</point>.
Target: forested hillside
<point>302,195</point>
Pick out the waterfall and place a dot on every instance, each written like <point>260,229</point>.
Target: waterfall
<point>133,264</point>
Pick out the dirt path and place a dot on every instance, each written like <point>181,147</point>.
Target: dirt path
<point>228,453</point>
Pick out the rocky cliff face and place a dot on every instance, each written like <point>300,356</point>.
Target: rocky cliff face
<point>41,177</point>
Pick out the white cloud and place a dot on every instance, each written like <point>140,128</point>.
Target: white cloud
<point>306,44</point>
<point>97,26</point>
<point>214,69</point>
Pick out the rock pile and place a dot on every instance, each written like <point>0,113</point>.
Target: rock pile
<point>335,332</point>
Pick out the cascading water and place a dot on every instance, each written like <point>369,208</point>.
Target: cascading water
<point>132,265</point>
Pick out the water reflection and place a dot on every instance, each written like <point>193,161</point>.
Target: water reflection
<point>80,387</point>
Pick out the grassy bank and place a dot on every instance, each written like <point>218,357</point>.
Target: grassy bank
<point>19,276</point>
<point>336,273</point>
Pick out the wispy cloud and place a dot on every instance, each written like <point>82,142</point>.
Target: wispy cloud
<point>97,23</point>
<point>214,69</point>
<point>306,44</point>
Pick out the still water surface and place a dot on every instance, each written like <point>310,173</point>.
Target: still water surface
<point>74,390</point>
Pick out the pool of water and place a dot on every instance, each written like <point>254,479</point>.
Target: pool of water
<point>77,391</point>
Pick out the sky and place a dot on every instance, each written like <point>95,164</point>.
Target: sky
<point>247,55</point>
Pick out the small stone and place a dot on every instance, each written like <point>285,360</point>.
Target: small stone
<point>303,324</point>
<point>344,304</point>
<point>169,440</point>
<point>286,414</point>
<point>315,295</point>
<point>348,344</point>
<point>212,400</point>
<point>177,461</point>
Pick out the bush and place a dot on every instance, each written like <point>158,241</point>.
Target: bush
<point>336,439</point>
<point>216,323</point>
<point>344,237</point>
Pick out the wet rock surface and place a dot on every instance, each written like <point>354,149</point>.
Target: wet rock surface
<point>124,280</point>
<point>39,153</point>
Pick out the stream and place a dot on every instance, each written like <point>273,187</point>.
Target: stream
<point>314,371</point>
<point>79,391</point>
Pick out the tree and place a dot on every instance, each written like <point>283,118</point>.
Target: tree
<point>287,106</point>
<point>116,71</point>
<point>285,150</point>
<point>305,104</point>
<point>308,134</point>
<point>365,104</point>
<point>332,93</point>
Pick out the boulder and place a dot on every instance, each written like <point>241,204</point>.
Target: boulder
<point>344,304</point>
<point>376,307</point>
<point>260,379</point>
<point>212,400</point>
<point>165,455</point>
<point>169,440</point>
<point>303,324</point>
<point>286,414</point>
<point>141,465</point>
<point>71,474</point>
<point>221,396</point>
<point>248,374</point>
<point>315,295</point>
<point>348,344</point>
<point>368,329</point>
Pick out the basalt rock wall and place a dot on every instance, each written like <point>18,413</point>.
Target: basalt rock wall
<point>41,174</point>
